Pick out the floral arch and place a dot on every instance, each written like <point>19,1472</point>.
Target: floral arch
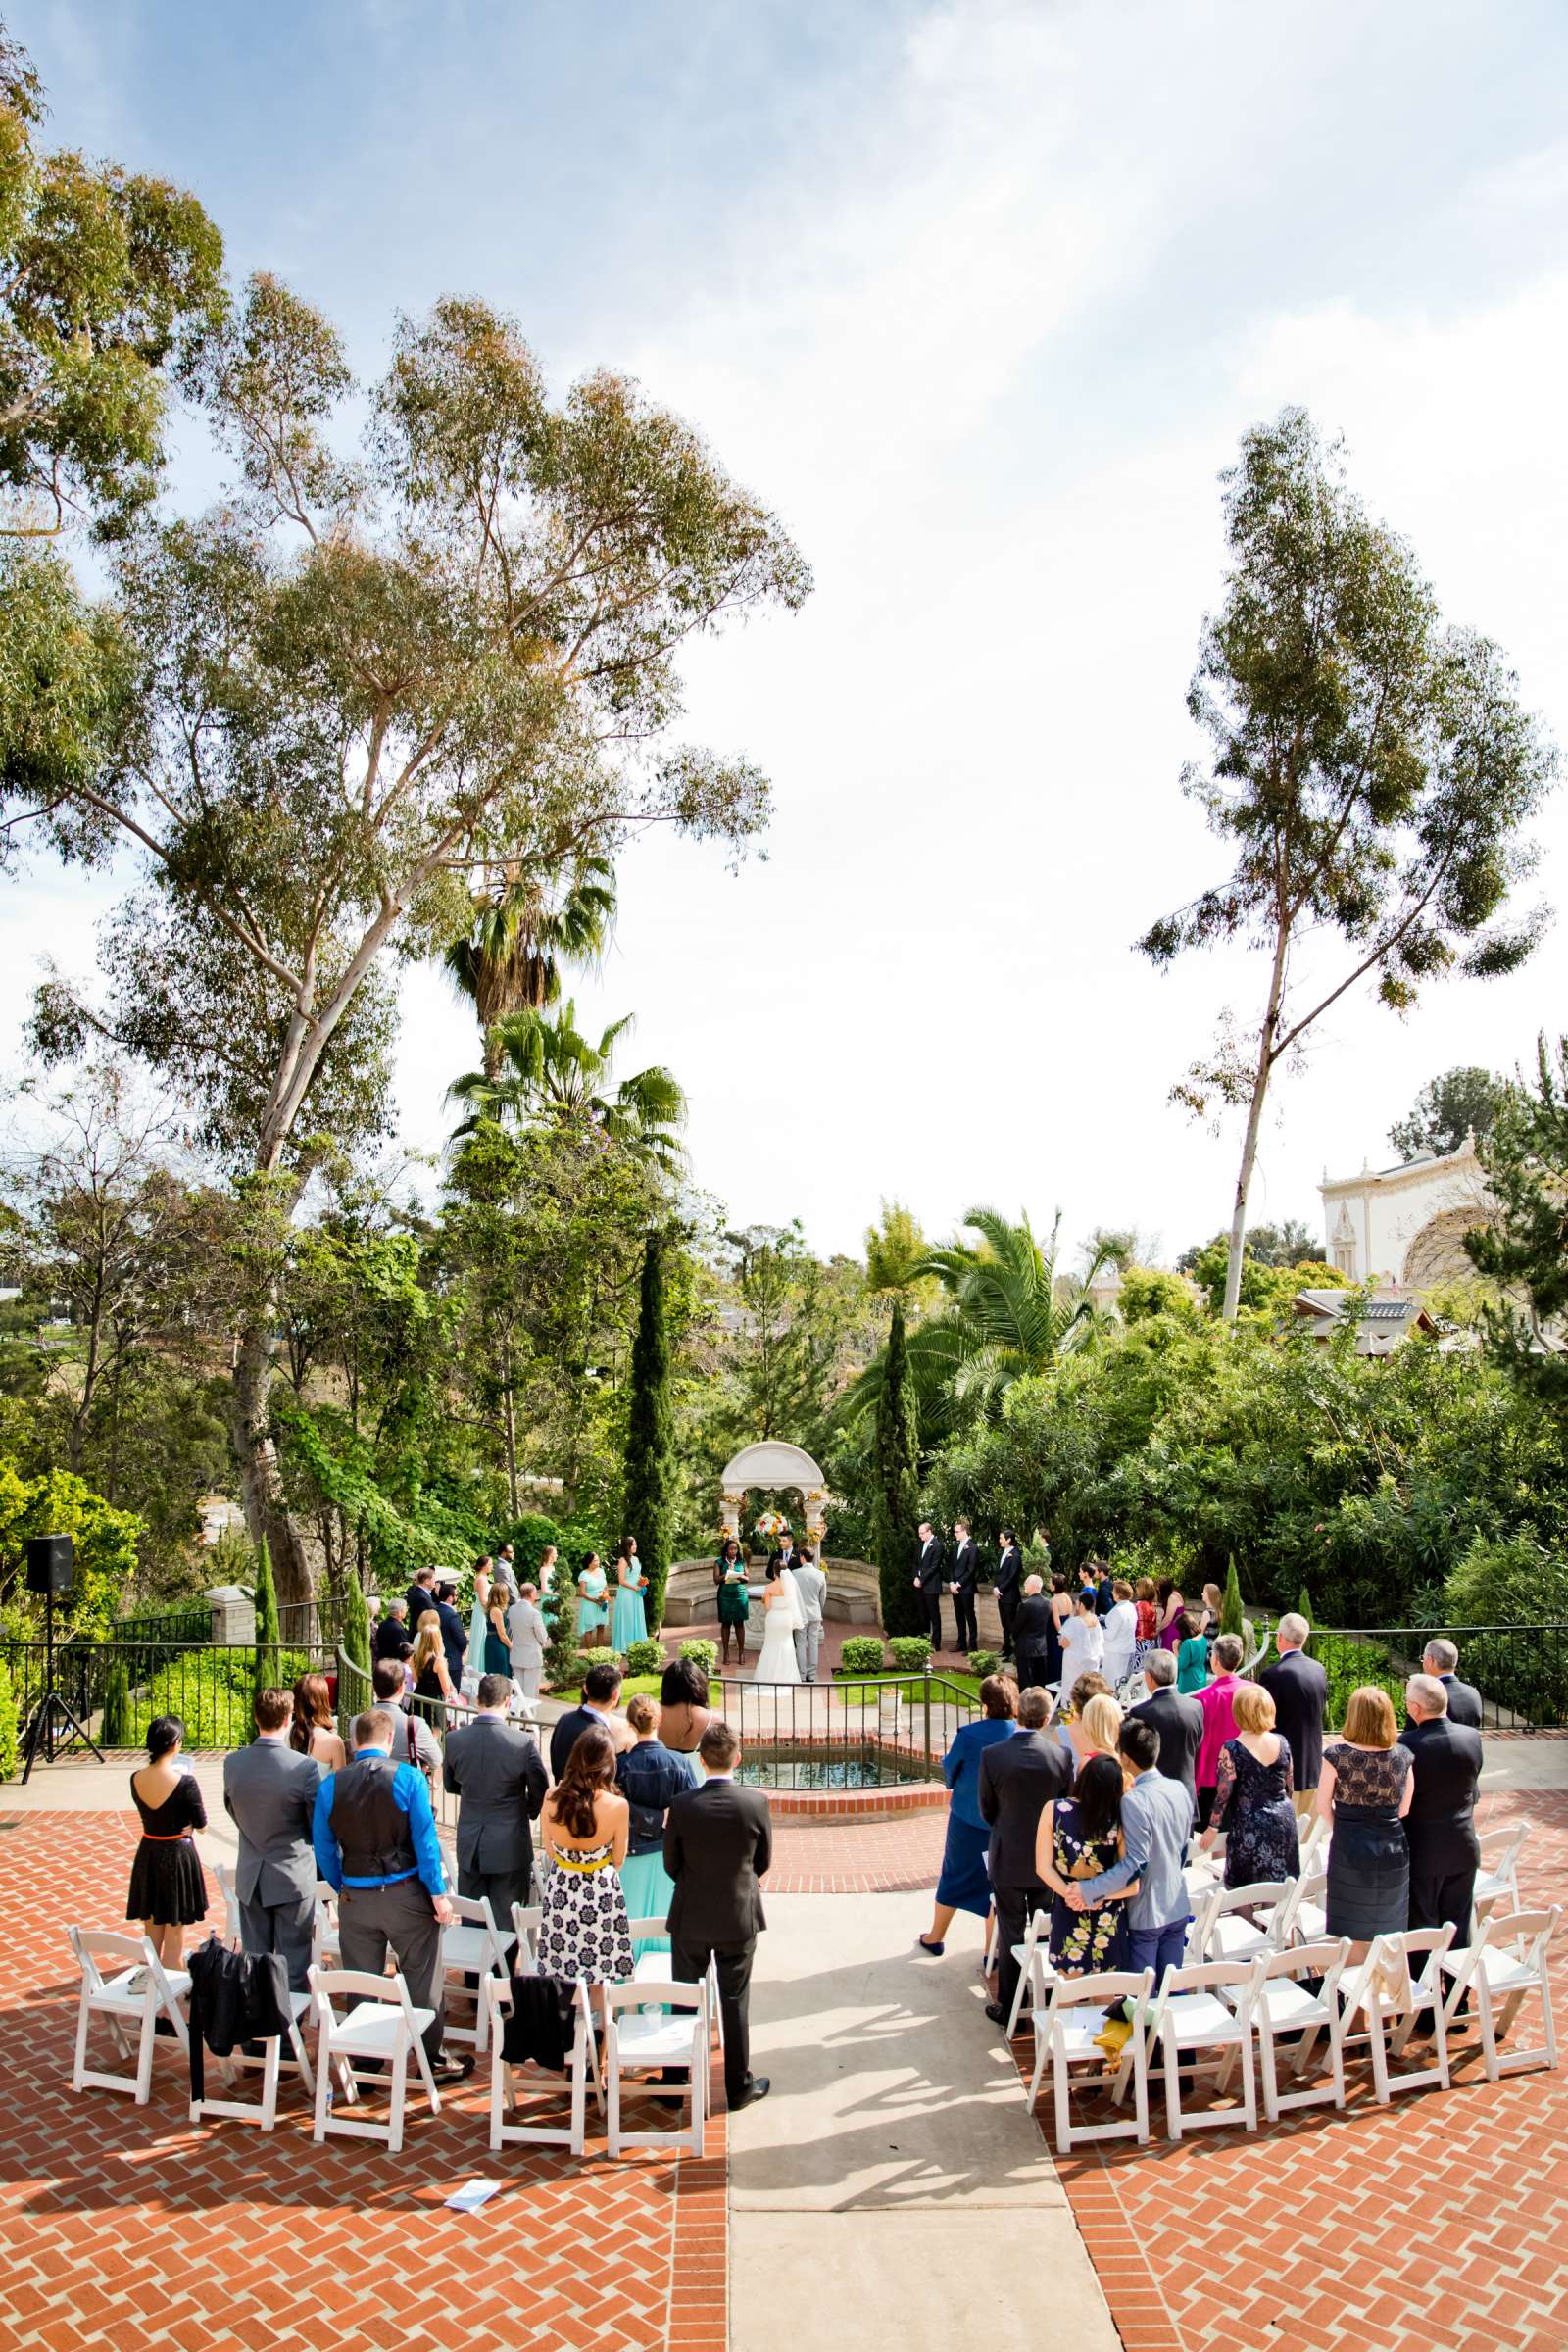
<point>771,1462</point>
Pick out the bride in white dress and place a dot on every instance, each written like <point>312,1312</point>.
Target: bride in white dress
<point>776,1661</point>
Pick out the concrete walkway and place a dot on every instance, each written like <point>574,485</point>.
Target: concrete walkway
<point>895,2163</point>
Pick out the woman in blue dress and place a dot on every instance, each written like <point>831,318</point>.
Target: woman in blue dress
<point>630,1623</point>
<point>964,1885</point>
<point>593,1611</point>
<point>650,1778</point>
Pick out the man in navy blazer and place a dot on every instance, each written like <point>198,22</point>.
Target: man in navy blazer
<point>1299,1690</point>
<point>601,1688</point>
<point>1440,1659</point>
<point>1177,1719</point>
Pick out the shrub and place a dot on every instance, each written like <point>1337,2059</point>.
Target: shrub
<point>983,1662</point>
<point>528,1538</point>
<point>701,1653</point>
<point>1230,1607</point>
<point>559,1608</point>
<point>7,1725</point>
<point>116,1729</point>
<point>863,1653</point>
<point>356,1622</point>
<point>911,1653</point>
<point>645,1657</point>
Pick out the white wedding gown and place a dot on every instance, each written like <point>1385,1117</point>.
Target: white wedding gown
<point>776,1661</point>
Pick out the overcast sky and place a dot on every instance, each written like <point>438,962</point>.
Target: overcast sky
<point>980,299</point>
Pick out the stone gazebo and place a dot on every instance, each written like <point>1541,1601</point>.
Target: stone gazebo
<point>772,1463</point>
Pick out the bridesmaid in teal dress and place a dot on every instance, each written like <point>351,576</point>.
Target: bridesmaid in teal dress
<point>496,1642</point>
<point>630,1623</point>
<point>593,1612</point>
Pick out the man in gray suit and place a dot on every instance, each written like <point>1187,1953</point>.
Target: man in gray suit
<point>270,1791</point>
<point>530,1637</point>
<point>811,1584</point>
<point>500,1776</point>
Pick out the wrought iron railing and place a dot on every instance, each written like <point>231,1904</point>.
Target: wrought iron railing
<point>1521,1671</point>
<point>859,1732</point>
<point>115,1689</point>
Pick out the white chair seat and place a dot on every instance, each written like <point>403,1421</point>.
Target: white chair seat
<point>1238,1939</point>
<point>654,2037</point>
<point>1080,2033</point>
<point>1290,2007</point>
<point>1312,1922</point>
<point>123,1994</point>
<point>368,2033</point>
<point>1503,1972</point>
<point>1489,1884</point>
<point>1201,2018</point>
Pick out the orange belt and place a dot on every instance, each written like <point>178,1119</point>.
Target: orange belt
<point>179,1837</point>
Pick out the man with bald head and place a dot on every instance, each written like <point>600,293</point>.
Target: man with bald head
<point>1439,1827</point>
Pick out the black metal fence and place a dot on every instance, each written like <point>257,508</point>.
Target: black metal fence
<point>1521,1671</point>
<point>115,1689</point>
<point>866,1731</point>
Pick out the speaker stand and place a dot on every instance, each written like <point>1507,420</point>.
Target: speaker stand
<point>52,1710</point>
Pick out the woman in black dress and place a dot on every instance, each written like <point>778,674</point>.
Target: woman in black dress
<point>1363,1793</point>
<point>1255,1784</point>
<point>167,1888</point>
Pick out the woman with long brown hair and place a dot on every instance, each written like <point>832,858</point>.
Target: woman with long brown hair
<point>313,1732</point>
<point>587,1824</point>
<point>432,1681</point>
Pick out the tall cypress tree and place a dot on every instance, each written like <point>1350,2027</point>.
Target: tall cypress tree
<point>1230,1607</point>
<point>269,1636</point>
<point>896,1520</point>
<point>650,1480</point>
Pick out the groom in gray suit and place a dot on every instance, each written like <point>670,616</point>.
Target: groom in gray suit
<point>810,1585</point>
<point>270,1791</point>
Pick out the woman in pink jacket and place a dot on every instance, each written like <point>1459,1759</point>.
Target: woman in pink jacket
<point>1216,1698</point>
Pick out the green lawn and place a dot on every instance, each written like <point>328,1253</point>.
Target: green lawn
<point>857,1694</point>
<point>645,1684</point>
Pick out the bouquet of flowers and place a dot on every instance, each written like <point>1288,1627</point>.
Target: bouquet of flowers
<point>770,1525</point>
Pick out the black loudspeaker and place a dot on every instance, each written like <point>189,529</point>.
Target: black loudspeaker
<point>51,1563</point>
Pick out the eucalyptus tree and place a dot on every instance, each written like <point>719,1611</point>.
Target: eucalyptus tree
<point>1372,769</point>
<point>368,676</point>
<point>550,1072</point>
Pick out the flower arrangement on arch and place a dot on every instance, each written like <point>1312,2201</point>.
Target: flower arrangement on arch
<point>770,1525</point>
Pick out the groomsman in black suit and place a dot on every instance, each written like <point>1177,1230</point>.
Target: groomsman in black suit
<point>1018,1778</point>
<point>718,1842</point>
<point>1010,1576</point>
<point>962,1575</point>
<point>1299,1690</point>
<point>929,1569</point>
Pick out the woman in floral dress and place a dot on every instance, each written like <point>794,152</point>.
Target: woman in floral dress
<point>1252,1792</point>
<point>1080,1836</point>
<point>585,1931</point>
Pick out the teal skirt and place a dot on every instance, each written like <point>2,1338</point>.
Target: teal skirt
<point>630,1623</point>
<point>650,1890</point>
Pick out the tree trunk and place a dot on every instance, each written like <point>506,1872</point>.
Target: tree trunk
<point>259,1485</point>
<point>1254,1120</point>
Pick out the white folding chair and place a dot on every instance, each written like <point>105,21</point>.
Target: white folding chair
<point>1206,2006</point>
<point>673,2036</point>
<point>1313,1834</point>
<point>1392,1994</point>
<point>1498,1875</point>
<point>527,1923</point>
<point>1285,2007</point>
<point>1308,1921</point>
<point>1064,2038</point>
<point>325,1948</point>
<point>1229,1934</point>
<point>585,2069</point>
<point>473,1946</point>
<point>1033,1958</point>
<point>383,2026</point>
<point>264,2110</point>
<point>129,2002</point>
<point>655,1967</point>
<point>1504,1965</point>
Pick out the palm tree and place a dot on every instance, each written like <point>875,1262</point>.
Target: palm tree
<point>509,960</point>
<point>548,1072</point>
<point>1007,1314</point>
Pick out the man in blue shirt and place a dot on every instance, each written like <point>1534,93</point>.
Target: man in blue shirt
<point>375,1837</point>
<point>1157,1820</point>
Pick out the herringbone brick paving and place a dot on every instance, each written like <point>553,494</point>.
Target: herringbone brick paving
<point>125,2225</point>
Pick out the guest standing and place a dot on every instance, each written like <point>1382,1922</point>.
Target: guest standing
<point>497,1774</point>
<point>270,1795</point>
<point>928,1568</point>
<point>684,1714</point>
<point>1018,1779</point>
<point>593,1611</point>
<point>1191,1657</point>
<point>1440,1659</point>
<point>734,1602</point>
<point>630,1623</point>
<point>1439,1827</point>
<point>601,1689</point>
<point>1060,1603</point>
<point>963,1576</point>
<point>1217,1702</point>
<point>1252,1792</point>
<point>479,1614</point>
<point>415,1741</point>
<point>1083,1642</point>
<point>168,1890</point>
<point>1363,1792</point>
<point>1179,1721</point>
<point>1031,1632</point>
<point>433,1688</point>
<point>1120,1625</point>
<point>1171,1610</point>
<point>392,1637</point>
<point>719,1842</point>
<point>1080,1838</point>
<point>496,1650</point>
<point>1009,1571</point>
<point>650,1778</point>
<point>963,1885</point>
<point>1157,1821</point>
<point>587,1822</point>
<point>1299,1690</point>
<point>313,1731</point>
<point>454,1638</point>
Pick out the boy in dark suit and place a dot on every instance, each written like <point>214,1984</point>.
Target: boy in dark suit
<point>719,1842</point>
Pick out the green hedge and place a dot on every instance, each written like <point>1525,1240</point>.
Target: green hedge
<point>701,1653</point>
<point>645,1657</point>
<point>862,1653</point>
<point>7,1725</point>
<point>912,1652</point>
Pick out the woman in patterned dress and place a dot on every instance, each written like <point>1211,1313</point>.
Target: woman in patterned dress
<point>1079,1838</point>
<point>1253,1787</point>
<point>585,1931</point>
